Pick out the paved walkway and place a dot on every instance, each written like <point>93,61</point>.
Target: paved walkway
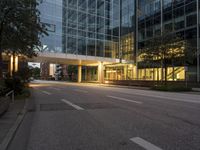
<point>8,119</point>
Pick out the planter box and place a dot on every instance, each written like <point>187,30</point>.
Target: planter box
<point>4,104</point>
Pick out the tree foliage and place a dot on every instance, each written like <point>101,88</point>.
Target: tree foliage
<point>20,27</point>
<point>166,50</point>
<point>35,72</point>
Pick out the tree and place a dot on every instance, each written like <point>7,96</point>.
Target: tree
<point>24,74</point>
<point>72,71</point>
<point>166,50</point>
<point>35,72</point>
<point>20,28</point>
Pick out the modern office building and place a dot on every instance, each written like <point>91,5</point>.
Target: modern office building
<point>110,35</point>
<point>178,17</point>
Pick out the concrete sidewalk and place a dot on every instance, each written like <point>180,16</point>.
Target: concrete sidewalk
<point>8,120</point>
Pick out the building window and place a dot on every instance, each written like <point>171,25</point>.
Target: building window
<point>179,25</point>
<point>191,20</point>
<point>190,8</point>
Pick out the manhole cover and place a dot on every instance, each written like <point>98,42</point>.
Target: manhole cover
<point>96,105</point>
<point>55,107</point>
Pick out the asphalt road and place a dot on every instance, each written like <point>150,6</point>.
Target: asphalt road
<point>66,116</point>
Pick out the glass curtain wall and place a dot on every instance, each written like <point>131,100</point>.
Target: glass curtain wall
<point>83,27</point>
<point>51,16</point>
<point>176,16</point>
<point>127,29</point>
<point>124,71</point>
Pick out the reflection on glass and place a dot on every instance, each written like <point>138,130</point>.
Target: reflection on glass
<point>84,27</point>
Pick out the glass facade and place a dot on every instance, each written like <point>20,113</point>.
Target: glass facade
<point>178,17</point>
<point>82,27</point>
<point>127,40</point>
<point>120,29</point>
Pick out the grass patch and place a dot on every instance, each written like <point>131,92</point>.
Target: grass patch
<point>172,88</point>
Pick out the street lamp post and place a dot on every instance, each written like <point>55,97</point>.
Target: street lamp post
<point>198,48</point>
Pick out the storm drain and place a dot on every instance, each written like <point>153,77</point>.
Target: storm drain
<point>55,107</point>
<point>96,105</point>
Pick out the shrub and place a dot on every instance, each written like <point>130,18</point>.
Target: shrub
<point>14,84</point>
<point>25,94</point>
<point>172,88</point>
<point>3,89</point>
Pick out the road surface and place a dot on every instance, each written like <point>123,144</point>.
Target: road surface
<point>67,116</point>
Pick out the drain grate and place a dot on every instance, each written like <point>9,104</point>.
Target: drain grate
<point>96,105</point>
<point>55,107</point>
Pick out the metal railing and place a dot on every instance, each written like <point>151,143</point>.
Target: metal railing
<point>12,93</point>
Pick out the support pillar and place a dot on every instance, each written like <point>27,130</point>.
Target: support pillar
<point>14,64</point>
<point>79,74</point>
<point>11,65</point>
<point>45,70</point>
<point>100,72</point>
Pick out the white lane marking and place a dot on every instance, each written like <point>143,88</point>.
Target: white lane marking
<point>82,91</point>
<point>71,104</point>
<point>57,89</point>
<point>124,99</point>
<point>145,144</point>
<point>45,92</point>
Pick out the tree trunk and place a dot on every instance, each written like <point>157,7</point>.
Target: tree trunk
<point>165,73</point>
<point>173,69</point>
<point>173,73</point>
<point>153,74</point>
<point>13,71</point>
<point>162,71</point>
<point>1,64</point>
<point>158,76</point>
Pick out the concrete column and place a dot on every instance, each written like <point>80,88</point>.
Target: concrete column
<point>100,73</point>
<point>11,65</point>
<point>14,64</point>
<point>79,74</point>
<point>45,70</point>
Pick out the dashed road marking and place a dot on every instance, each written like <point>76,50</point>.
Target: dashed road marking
<point>145,144</point>
<point>45,92</point>
<point>54,88</point>
<point>71,104</point>
<point>82,91</point>
<point>124,99</point>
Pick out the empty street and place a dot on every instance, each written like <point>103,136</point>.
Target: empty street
<point>72,116</point>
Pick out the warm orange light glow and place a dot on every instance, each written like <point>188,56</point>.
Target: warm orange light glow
<point>16,63</point>
<point>106,82</point>
<point>11,64</point>
<point>39,85</point>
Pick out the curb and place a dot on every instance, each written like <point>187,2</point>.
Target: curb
<point>128,87</point>
<point>196,89</point>
<point>8,138</point>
